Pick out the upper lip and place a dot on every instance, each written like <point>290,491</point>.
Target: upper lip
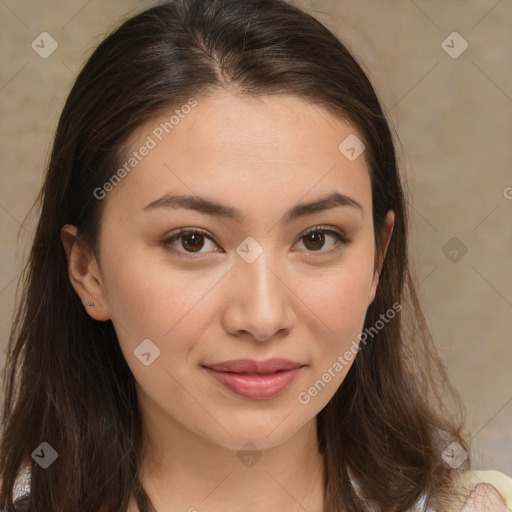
<point>252,366</point>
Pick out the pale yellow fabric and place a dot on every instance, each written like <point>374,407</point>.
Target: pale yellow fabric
<point>500,481</point>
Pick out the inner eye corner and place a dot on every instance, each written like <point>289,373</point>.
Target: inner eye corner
<point>337,234</point>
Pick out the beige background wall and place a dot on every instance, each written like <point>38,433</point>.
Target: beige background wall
<point>454,119</point>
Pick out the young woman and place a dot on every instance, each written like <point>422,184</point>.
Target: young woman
<point>218,312</point>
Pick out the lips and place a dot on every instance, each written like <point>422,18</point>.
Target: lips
<point>255,380</point>
<point>250,366</point>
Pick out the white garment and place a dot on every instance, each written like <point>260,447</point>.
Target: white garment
<point>501,482</point>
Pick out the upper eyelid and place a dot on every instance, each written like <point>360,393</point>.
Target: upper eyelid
<point>322,227</point>
<point>181,231</point>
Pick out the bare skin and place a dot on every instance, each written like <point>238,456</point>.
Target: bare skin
<point>302,298</point>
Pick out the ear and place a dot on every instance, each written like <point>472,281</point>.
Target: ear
<point>389,222</point>
<point>84,274</point>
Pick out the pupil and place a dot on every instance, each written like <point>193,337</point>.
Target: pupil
<point>315,235</point>
<point>196,237</point>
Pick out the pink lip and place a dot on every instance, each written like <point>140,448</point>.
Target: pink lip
<point>255,380</point>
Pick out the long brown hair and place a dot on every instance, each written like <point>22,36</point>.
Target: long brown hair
<point>66,380</point>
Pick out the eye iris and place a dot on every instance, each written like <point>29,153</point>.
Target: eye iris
<point>196,244</point>
<point>194,241</point>
<point>315,235</point>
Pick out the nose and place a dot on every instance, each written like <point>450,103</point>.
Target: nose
<point>260,301</point>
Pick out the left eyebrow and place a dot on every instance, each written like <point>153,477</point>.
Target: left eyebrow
<point>209,207</point>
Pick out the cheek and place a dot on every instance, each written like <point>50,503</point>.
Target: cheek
<point>147,299</point>
<point>148,302</point>
<point>342,292</point>
<point>339,302</point>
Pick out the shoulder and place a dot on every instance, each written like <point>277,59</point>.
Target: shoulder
<point>485,498</point>
<point>488,491</point>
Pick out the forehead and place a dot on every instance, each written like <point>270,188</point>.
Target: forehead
<point>243,150</point>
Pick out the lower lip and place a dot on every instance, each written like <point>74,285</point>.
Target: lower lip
<point>255,387</point>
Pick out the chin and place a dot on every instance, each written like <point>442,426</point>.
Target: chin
<point>263,435</point>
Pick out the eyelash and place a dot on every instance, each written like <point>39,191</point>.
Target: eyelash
<point>341,239</point>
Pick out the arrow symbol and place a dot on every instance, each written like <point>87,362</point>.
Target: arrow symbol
<point>246,248</point>
<point>42,454</point>
<point>451,45</point>
<point>41,45</point>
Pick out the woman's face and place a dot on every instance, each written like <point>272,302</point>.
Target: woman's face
<point>252,284</point>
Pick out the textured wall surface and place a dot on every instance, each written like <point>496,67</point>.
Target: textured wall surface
<point>449,97</point>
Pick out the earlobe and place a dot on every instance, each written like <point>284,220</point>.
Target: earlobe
<point>84,274</point>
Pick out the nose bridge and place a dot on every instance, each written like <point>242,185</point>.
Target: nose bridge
<point>261,297</point>
<point>265,271</point>
<point>261,277</point>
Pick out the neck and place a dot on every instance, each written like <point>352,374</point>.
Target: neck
<point>184,471</point>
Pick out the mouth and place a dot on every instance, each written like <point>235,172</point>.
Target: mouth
<point>250,366</point>
<point>255,380</point>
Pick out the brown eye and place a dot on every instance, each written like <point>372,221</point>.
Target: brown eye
<point>190,240</point>
<point>315,239</point>
<point>193,241</point>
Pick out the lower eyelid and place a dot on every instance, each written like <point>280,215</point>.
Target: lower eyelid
<point>341,241</point>
<point>169,241</point>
